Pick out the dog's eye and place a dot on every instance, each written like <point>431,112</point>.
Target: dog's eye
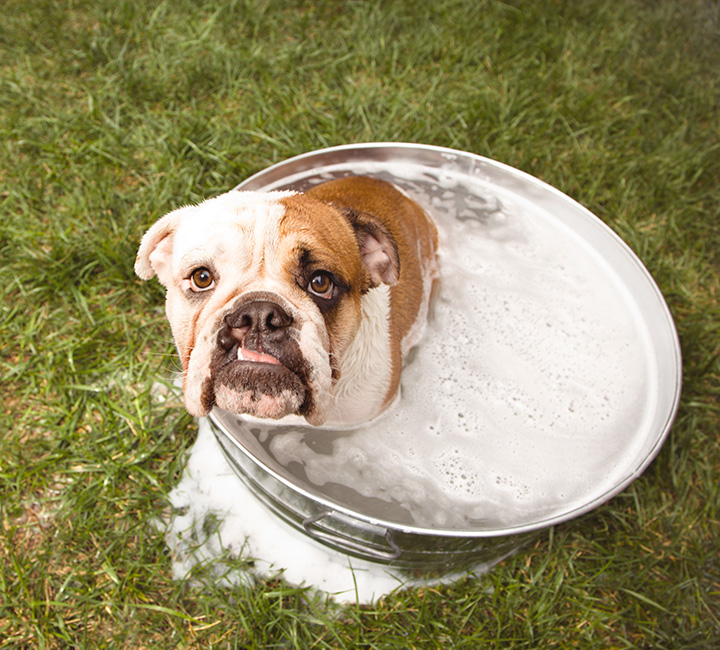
<point>201,280</point>
<point>321,284</point>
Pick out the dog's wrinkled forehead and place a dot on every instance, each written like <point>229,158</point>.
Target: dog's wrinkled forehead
<point>235,223</point>
<point>267,233</point>
<point>244,236</point>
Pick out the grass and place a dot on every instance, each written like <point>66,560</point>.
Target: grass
<point>114,112</point>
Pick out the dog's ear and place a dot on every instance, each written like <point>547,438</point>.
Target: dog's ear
<point>377,247</point>
<point>155,253</point>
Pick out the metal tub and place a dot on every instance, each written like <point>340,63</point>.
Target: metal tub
<point>359,526</point>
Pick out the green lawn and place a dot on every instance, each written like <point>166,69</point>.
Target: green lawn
<point>112,112</point>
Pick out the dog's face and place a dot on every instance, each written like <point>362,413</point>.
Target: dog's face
<point>264,297</point>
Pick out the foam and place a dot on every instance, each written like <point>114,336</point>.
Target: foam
<point>215,518</point>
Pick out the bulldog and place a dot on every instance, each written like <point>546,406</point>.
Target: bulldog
<point>286,304</point>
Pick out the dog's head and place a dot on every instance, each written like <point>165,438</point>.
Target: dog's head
<point>264,297</point>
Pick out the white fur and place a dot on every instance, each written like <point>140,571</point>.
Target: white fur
<point>242,223</point>
<point>366,366</point>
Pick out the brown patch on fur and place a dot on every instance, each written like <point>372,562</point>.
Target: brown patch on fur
<point>412,230</point>
<point>325,233</point>
<point>328,238</point>
<point>207,394</point>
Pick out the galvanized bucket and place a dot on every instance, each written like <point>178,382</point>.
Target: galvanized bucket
<point>475,188</point>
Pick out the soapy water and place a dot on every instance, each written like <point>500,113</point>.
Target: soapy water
<point>529,395</point>
<point>530,392</point>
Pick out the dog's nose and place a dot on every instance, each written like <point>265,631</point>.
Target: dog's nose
<point>259,319</point>
<point>261,315</point>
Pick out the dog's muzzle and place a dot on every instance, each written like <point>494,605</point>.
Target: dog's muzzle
<point>258,366</point>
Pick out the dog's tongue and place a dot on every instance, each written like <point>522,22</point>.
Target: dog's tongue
<point>256,357</point>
